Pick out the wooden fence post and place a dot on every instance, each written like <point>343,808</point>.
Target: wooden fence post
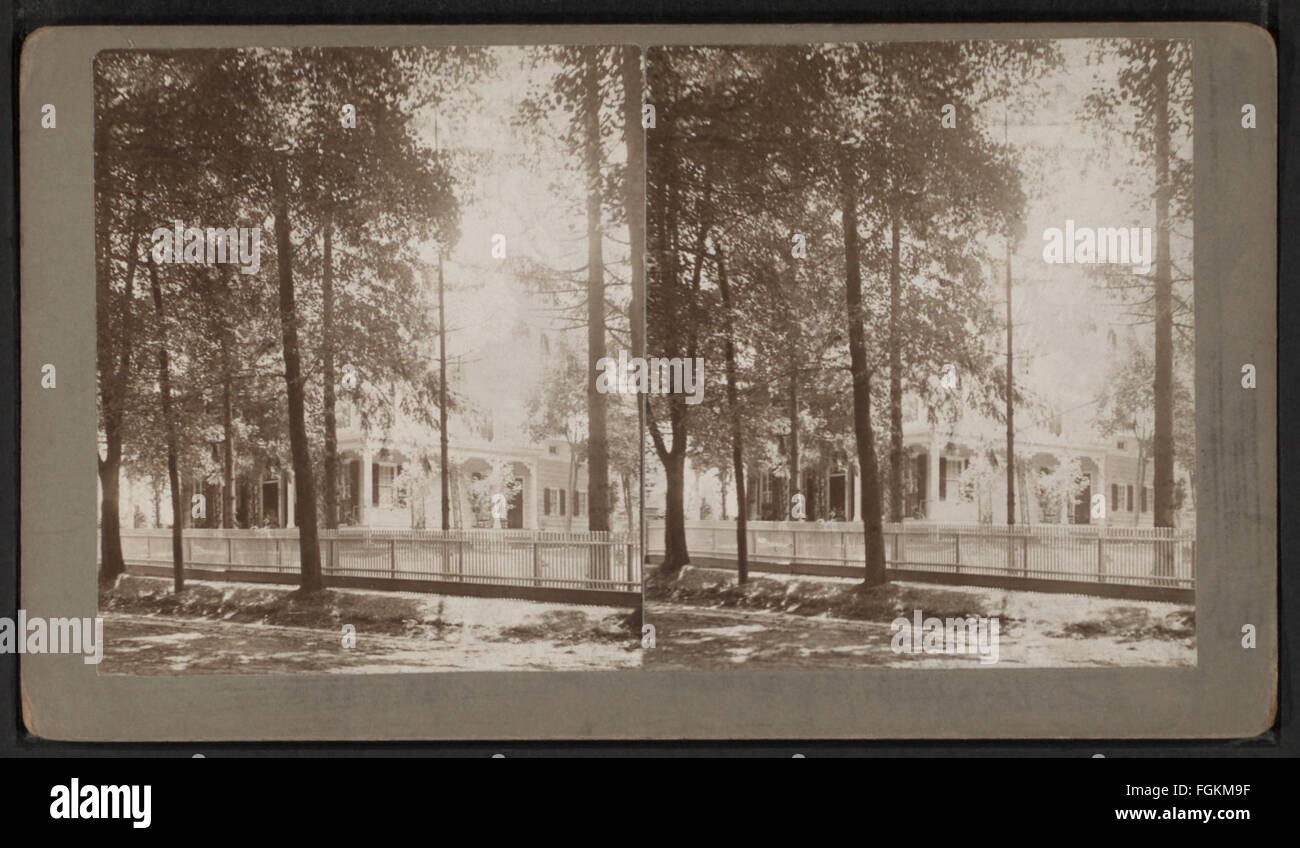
<point>537,567</point>
<point>392,557</point>
<point>1101,556</point>
<point>957,546</point>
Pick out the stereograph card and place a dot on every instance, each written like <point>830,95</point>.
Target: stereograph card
<point>648,382</point>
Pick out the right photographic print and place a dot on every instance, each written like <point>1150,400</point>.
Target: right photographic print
<point>921,346</point>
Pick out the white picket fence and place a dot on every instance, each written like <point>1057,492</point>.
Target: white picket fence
<point>1136,556</point>
<point>598,560</point>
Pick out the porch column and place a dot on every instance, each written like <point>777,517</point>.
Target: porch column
<point>1101,488</point>
<point>932,482</point>
<point>363,496</point>
<point>529,497</point>
<point>290,499</point>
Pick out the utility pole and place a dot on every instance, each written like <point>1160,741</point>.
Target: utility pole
<point>443,471</point>
<point>442,398</point>
<point>1011,407</point>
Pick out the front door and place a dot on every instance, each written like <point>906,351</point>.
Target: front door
<point>270,504</point>
<point>837,498</point>
<point>1083,504</point>
<point>515,517</point>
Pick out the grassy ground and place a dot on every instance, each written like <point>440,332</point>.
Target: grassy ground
<point>217,627</point>
<point>811,596</point>
<point>703,619</point>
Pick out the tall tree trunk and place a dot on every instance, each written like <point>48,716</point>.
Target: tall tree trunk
<point>795,483</point>
<point>169,427</point>
<point>634,201</point>
<point>308,539</point>
<point>597,441</point>
<point>675,553</point>
<point>1163,441</point>
<point>873,532</point>
<point>895,381</point>
<point>228,496</point>
<point>113,390</point>
<point>327,369</point>
<point>733,409</point>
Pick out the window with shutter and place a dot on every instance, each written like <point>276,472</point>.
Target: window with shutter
<point>386,479</point>
<point>922,484</point>
<point>546,501</point>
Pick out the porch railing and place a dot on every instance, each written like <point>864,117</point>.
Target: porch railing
<point>597,560</point>
<point>1135,556</point>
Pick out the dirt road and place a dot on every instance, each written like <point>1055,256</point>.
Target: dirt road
<point>144,645</point>
<point>691,637</point>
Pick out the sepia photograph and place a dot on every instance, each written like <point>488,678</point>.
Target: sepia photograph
<point>940,298</point>
<point>788,381</point>
<point>352,307</point>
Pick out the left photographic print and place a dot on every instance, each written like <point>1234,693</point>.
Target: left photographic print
<point>353,305</point>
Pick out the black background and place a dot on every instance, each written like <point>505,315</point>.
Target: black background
<point>198,790</point>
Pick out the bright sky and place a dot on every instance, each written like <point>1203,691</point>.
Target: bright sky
<point>1060,314</point>
<point>527,192</point>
